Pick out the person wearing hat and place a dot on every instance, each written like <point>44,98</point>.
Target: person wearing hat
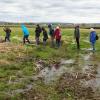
<point>57,35</point>
<point>93,38</point>
<point>77,36</point>
<point>51,33</point>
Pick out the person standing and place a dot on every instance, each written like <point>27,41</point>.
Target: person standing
<point>8,33</point>
<point>51,33</point>
<point>26,34</point>
<point>38,30</point>
<point>57,35</point>
<point>93,38</point>
<point>45,35</point>
<point>77,36</point>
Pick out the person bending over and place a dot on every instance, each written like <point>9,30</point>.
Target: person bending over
<point>8,33</point>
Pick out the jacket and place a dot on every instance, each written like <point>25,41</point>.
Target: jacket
<point>93,37</point>
<point>77,33</point>
<point>25,30</point>
<point>38,30</point>
<point>57,34</point>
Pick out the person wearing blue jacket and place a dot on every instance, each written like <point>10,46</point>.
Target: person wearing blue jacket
<point>26,34</point>
<point>93,38</point>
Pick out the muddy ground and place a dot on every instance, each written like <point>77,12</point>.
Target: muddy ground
<point>78,79</point>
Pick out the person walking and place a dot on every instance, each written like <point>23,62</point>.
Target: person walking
<point>26,34</point>
<point>8,33</point>
<point>38,30</point>
<point>45,35</point>
<point>57,35</point>
<point>77,36</point>
<point>93,38</point>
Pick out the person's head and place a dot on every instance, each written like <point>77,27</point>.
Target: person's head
<point>77,26</point>
<point>38,25</point>
<point>92,29</point>
<point>50,25</point>
<point>43,29</point>
<point>57,27</point>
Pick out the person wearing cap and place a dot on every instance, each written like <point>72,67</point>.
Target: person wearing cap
<point>26,34</point>
<point>93,38</point>
<point>51,33</point>
<point>77,36</point>
<point>38,30</point>
<point>57,35</point>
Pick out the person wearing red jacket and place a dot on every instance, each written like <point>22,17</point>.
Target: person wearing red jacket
<point>57,35</point>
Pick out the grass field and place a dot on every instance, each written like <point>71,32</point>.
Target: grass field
<point>20,64</point>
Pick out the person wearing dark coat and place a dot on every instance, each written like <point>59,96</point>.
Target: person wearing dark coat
<point>38,30</point>
<point>51,33</point>
<point>8,33</point>
<point>77,36</point>
<point>45,35</point>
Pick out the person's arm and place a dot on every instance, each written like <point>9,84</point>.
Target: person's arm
<point>35,30</point>
<point>54,33</point>
<point>74,33</point>
<point>60,33</point>
<point>79,32</point>
<point>10,30</point>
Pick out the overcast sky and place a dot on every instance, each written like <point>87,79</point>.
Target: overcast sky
<point>76,11</point>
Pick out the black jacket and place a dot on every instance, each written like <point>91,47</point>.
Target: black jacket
<point>77,33</point>
<point>45,35</point>
<point>38,31</point>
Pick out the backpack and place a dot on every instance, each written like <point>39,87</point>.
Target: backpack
<point>97,37</point>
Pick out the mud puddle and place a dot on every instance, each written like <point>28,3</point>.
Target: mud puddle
<point>80,75</point>
<point>53,72</point>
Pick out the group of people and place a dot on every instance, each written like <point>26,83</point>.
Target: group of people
<point>54,33</point>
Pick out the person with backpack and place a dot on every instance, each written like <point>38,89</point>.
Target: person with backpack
<point>8,33</point>
<point>45,35</point>
<point>77,36</point>
<point>51,33</point>
<point>38,30</point>
<point>57,35</point>
<point>93,38</point>
<point>26,34</point>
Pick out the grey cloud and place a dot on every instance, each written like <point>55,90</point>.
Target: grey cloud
<point>47,10</point>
